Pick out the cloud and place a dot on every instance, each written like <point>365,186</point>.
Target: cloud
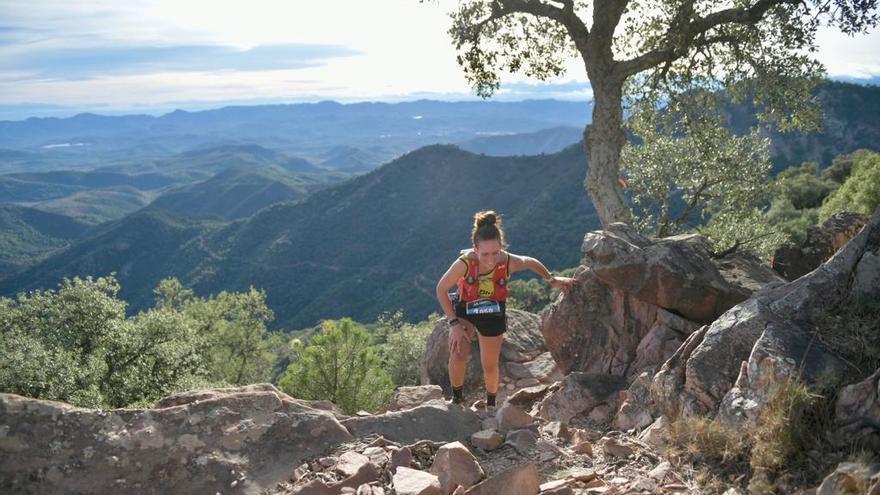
<point>90,62</point>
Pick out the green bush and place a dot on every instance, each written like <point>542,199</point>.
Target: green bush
<point>340,365</point>
<point>860,192</point>
<point>76,344</point>
<point>404,346</point>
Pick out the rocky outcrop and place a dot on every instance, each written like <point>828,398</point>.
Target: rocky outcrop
<point>638,300</point>
<point>239,440</point>
<point>764,340</point>
<point>821,243</point>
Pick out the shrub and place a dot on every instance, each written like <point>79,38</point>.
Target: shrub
<point>339,365</point>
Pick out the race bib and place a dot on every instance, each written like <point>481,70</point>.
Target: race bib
<point>482,307</point>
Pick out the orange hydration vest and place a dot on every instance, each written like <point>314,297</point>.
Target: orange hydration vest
<point>469,285</point>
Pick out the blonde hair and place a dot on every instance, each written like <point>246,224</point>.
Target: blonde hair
<point>487,226</point>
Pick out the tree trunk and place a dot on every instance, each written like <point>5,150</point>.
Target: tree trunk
<point>603,142</point>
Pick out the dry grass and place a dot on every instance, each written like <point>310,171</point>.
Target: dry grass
<point>789,446</point>
<point>851,333</point>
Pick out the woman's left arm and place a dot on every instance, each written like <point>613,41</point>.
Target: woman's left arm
<point>518,263</point>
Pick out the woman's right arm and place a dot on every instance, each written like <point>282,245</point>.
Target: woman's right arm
<point>447,281</point>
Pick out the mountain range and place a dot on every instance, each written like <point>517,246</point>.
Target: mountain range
<point>376,242</point>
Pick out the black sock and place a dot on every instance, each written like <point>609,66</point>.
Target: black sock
<point>457,394</point>
<point>490,399</point>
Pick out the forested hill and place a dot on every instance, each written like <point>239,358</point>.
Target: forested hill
<point>374,243</point>
<point>849,123</point>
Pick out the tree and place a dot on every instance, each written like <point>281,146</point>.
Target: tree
<point>231,326</point>
<point>752,48</point>
<point>340,365</point>
<point>689,167</point>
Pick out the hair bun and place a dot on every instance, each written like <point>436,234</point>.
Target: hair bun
<point>482,218</point>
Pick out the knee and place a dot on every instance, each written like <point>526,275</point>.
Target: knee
<point>459,358</point>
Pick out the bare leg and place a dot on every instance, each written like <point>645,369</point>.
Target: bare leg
<point>458,363</point>
<point>490,350</point>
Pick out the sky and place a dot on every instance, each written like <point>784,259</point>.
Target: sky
<point>61,57</point>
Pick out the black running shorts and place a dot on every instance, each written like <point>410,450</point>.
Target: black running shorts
<point>490,317</point>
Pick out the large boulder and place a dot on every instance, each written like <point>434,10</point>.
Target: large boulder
<point>432,421</point>
<point>237,440</point>
<point>764,340</point>
<point>522,342</point>
<point>821,243</point>
<point>676,273</point>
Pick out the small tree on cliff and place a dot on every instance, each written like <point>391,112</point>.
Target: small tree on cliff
<point>754,48</point>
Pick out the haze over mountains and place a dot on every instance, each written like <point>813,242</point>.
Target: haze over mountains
<point>328,243</point>
<point>357,136</point>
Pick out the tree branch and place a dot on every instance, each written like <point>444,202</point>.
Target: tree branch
<point>697,27</point>
<point>564,15</point>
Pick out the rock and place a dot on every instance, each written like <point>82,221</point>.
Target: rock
<point>487,439</point>
<point>639,299</point>
<point>601,414</point>
<point>580,392</point>
<point>526,397</point>
<point>548,450</point>
<point>676,273</point>
<point>518,480</point>
<point>349,463</point>
<point>820,244</point>
<point>540,368</point>
<point>414,482</point>
<point>409,397</point>
<point>314,487</point>
<point>201,443</point>
<point>635,410</point>
<point>522,340</point>
<point>664,337</point>
<point>522,440</point>
<point>857,412</point>
<point>490,423</point>
<point>653,434</point>
<point>851,478</point>
<point>511,417</point>
<point>439,422</point>
<point>454,466</point>
<point>595,327</point>
<point>558,429</point>
<point>659,472</point>
<point>377,455</point>
<point>366,473</point>
<point>866,284</point>
<point>556,487</point>
<point>583,447</point>
<point>613,447</point>
<point>527,382</point>
<point>400,457</point>
<point>643,485</point>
